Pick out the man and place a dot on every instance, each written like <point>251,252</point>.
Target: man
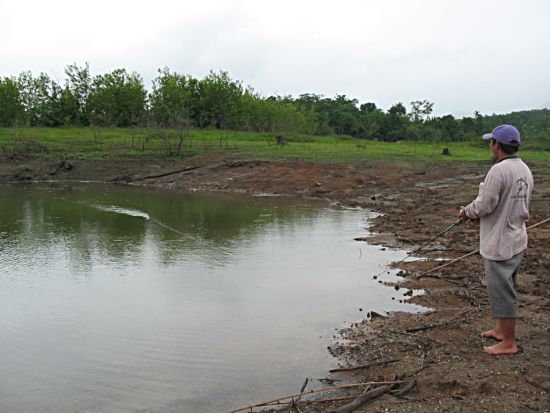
<point>502,208</point>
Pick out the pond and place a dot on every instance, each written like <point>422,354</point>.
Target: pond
<point>123,299</point>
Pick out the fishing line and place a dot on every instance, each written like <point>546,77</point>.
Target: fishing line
<point>197,240</point>
<point>140,214</point>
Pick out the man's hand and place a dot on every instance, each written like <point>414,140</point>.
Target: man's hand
<point>462,214</point>
<point>463,217</point>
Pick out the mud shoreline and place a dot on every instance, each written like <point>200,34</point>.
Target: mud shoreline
<point>441,349</point>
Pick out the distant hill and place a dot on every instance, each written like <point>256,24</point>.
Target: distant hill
<point>534,125</point>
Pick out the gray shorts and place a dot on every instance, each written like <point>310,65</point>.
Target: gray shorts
<point>501,278</point>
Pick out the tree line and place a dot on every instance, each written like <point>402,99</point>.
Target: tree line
<point>119,98</point>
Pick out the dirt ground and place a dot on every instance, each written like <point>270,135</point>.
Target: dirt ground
<point>440,349</point>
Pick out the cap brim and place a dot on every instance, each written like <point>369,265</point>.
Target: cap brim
<point>488,136</point>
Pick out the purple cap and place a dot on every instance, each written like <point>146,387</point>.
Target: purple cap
<point>506,134</point>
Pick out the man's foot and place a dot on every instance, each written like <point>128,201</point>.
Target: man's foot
<point>493,334</point>
<point>502,349</point>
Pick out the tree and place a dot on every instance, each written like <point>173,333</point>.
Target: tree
<point>316,108</point>
<point>40,98</point>
<point>396,121</point>
<point>117,99</point>
<point>397,110</point>
<point>174,97</point>
<point>420,110</point>
<point>76,93</point>
<point>11,108</point>
<point>339,115</point>
<point>371,123</point>
<point>368,107</point>
<point>449,128</point>
<point>219,100</point>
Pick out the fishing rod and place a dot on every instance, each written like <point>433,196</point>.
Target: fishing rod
<point>454,224</point>
<point>472,253</point>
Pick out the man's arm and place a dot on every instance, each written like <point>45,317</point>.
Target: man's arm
<point>487,199</point>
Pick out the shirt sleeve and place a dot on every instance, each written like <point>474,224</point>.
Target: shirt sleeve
<point>487,199</point>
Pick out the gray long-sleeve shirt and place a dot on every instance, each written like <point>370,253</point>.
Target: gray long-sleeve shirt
<point>503,206</point>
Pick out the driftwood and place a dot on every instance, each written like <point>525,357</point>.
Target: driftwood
<point>142,178</point>
<point>369,395</point>
<point>293,396</point>
<point>62,165</point>
<point>361,400</point>
<point>405,389</point>
<point>364,366</point>
<point>326,400</point>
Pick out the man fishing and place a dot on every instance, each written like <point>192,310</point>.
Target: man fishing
<point>502,208</point>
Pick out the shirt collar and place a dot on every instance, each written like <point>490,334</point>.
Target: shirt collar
<point>508,157</point>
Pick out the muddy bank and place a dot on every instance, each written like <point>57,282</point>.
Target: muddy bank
<point>441,349</point>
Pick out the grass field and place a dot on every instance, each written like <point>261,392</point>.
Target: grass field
<point>117,142</point>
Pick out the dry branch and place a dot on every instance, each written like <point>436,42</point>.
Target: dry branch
<point>361,400</point>
<point>142,178</point>
<point>450,320</point>
<point>364,366</point>
<point>405,389</point>
<point>292,396</point>
<point>326,400</point>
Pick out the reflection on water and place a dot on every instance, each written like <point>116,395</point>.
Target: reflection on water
<point>119,299</point>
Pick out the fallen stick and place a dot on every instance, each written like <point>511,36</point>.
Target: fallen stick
<point>439,277</point>
<point>187,169</point>
<point>472,253</point>
<point>291,396</point>
<point>446,250</point>
<point>327,400</point>
<point>450,320</point>
<point>306,381</point>
<point>421,338</point>
<point>405,389</point>
<point>359,401</point>
<point>364,366</point>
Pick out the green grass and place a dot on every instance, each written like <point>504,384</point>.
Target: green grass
<point>117,142</point>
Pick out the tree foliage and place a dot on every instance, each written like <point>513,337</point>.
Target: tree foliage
<point>178,102</point>
<point>116,98</point>
<point>11,107</point>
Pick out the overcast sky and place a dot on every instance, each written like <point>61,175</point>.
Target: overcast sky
<point>491,56</point>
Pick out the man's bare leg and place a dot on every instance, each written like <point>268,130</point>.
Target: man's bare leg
<point>506,329</point>
<point>494,333</point>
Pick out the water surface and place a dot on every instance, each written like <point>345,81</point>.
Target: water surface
<point>120,299</point>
